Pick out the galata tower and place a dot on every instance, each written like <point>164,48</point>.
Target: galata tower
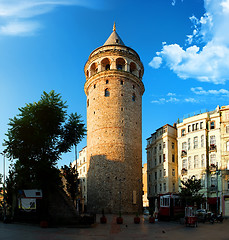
<point>114,92</point>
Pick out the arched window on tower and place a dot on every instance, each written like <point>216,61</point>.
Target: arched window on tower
<point>133,68</point>
<point>107,93</point>
<point>105,64</point>
<point>94,69</point>
<point>133,97</point>
<point>120,64</point>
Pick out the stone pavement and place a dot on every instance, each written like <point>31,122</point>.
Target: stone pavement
<point>128,230</point>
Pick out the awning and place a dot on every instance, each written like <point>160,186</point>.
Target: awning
<point>213,200</point>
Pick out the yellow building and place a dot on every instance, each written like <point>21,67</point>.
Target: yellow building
<point>162,162</point>
<point>145,200</point>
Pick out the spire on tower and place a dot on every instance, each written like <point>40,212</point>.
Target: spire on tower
<point>114,38</point>
<point>114,27</point>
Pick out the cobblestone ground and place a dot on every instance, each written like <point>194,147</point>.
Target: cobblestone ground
<point>128,230</point>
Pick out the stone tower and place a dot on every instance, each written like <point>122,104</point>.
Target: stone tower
<point>114,92</point>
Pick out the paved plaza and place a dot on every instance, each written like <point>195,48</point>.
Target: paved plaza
<point>128,230</point>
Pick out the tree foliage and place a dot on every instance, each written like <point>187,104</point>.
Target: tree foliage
<point>38,136</point>
<point>190,191</point>
<point>71,175</point>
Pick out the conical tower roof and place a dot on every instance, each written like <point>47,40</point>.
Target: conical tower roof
<point>114,38</point>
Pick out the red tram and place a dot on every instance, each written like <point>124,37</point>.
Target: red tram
<point>170,206</point>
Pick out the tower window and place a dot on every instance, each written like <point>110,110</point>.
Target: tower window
<point>133,97</point>
<point>107,92</point>
<point>119,67</point>
<point>107,81</point>
<point>94,85</point>
<point>116,40</point>
<point>133,87</point>
<point>107,67</point>
<point>121,82</point>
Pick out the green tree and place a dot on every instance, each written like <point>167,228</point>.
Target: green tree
<point>71,175</point>
<point>37,137</point>
<point>190,191</point>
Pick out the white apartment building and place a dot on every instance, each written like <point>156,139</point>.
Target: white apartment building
<point>225,158</point>
<point>82,168</point>
<point>162,162</point>
<point>200,154</point>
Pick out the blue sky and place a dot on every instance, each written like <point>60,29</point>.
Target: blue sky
<point>183,44</point>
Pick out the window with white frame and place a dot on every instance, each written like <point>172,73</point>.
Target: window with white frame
<point>160,187</point>
<point>184,146</point>
<point>189,143</point>
<point>227,129</point>
<point>227,146</point>
<point>160,174</point>
<point>202,160</point>
<point>213,180</point>
<point>227,116</point>
<point>197,126</point>
<point>196,161</point>
<point>164,187</point>
<point>201,125</point>
<point>195,142</point>
<point>202,140</point>
<point>189,162</point>
<point>212,140</point>
<point>184,163</point>
<point>212,159</point>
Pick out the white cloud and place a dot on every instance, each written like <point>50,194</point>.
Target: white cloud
<point>16,15</point>
<point>171,94</point>
<point>19,28</point>
<point>164,100</point>
<point>191,100</point>
<point>201,91</point>
<point>173,2</point>
<point>209,63</point>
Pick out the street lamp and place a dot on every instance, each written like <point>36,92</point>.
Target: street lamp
<point>4,191</point>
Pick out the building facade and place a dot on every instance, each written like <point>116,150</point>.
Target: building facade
<point>114,92</point>
<point>82,169</point>
<point>202,152</point>
<point>225,159</point>
<point>162,163</point>
<point>145,200</point>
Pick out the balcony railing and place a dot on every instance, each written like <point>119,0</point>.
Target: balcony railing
<point>212,168</point>
<point>184,171</point>
<point>183,153</point>
<point>213,147</point>
<point>213,188</point>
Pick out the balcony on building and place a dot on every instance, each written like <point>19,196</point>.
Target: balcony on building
<point>212,188</point>
<point>184,171</point>
<point>183,153</point>
<point>212,167</point>
<point>213,147</point>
